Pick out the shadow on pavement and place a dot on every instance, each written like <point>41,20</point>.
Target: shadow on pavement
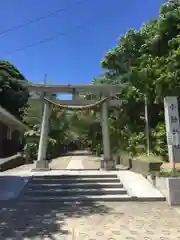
<point>42,220</point>
<point>21,220</point>
<point>11,186</point>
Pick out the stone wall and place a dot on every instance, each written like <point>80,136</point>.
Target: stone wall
<point>11,162</point>
<point>170,188</point>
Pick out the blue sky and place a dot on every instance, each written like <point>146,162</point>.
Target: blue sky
<point>88,30</point>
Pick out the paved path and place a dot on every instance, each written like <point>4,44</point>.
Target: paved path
<point>96,221</point>
<point>23,169</point>
<point>60,162</point>
<point>76,162</point>
<point>91,162</point>
<point>100,221</point>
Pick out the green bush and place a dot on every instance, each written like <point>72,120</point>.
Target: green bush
<point>159,142</point>
<point>170,173</point>
<point>32,144</point>
<point>150,158</point>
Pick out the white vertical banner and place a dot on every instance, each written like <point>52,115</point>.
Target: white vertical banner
<point>172,128</point>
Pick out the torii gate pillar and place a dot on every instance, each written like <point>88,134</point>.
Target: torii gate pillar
<point>42,163</point>
<point>107,162</point>
<point>98,90</point>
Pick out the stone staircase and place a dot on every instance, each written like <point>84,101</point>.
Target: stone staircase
<point>74,188</point>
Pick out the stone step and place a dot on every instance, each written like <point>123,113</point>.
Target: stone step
<point>75,176</point>
<point>75,192</point>
<point>77,199</point>
<point>73,185</point>
<point>76,180</point>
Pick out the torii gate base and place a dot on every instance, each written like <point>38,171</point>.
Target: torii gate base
<point>107,164</point>
<point>41,166</point>
<point>99,90</point>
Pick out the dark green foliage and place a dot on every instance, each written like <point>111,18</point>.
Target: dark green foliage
<point>147,62</point>
<point>13,96</point>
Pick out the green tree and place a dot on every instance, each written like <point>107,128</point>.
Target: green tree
<point>67,129</point>
<point>13,95</point>
<point>146,61</point>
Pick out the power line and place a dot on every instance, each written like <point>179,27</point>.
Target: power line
<point>36,43</point>
<point>50,14</point>
<point>41,42</point>
<point>51,38</point>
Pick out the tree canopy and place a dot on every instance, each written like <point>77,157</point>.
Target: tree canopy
<point>147,62</point>
<point>68,130</point>
<point>13,96</point>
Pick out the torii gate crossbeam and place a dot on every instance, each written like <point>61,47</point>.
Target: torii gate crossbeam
<point>100,91</point>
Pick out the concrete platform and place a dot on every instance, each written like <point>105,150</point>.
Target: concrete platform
<point>99,221</point>
<point>11,186</point>
<point>76,163</point>
<point>13,181</point>
<point>74,172</point>
<point>74,199</point>
<point>23,170</point>
<point>138,187</point>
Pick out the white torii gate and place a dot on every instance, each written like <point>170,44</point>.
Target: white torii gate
<point>50,91</point>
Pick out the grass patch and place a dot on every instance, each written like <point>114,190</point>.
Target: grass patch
<point>170,173</point>
<point>165,173</point>
<point>150,158</point>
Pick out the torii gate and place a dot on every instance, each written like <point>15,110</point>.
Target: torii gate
<point>48,96</point>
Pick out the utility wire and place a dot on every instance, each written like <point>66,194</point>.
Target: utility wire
<point>36,43</point>
<point>51,38</point>
<point>50,14</point>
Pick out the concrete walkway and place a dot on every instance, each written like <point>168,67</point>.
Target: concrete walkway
<point>60,162</point>
<point>96,221</point>
<point>76,162</point>
<point>100,221</point>
<point>138,186</point>
<point>13,181</point>
<point>23,170</point>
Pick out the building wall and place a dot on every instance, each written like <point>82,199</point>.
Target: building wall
<point>9,145</point>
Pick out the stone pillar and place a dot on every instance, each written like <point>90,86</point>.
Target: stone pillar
<point>75,95</point>
<point>2,136</point>
<point>42,105</point>
<point>172,122</point>
<point>43,142</point>
<point>107,162</point>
